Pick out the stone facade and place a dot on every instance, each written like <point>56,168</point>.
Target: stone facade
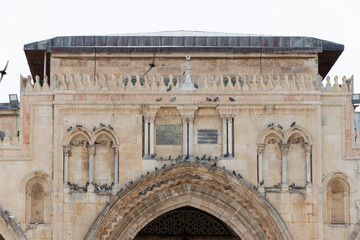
<point>115,139</point>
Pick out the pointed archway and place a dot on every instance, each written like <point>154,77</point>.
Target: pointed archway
<point>231,200</point>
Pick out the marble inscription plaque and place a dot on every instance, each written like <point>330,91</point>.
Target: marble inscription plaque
<point>207,136</point>
<point>168,135</point>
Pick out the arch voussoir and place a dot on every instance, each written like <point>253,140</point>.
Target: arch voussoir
<point>229,199</point>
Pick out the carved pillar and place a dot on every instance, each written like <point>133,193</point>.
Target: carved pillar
<point>146,136</point>
<point>91,151</point>
<point>152,134</point>
<point>284,150</point>
<point>260,150</point>
<point>308,163</point>
<point>224,138</point>
<point>116,166</point>
<point>230,135</point>
<point>67,154</point>
<point>191,137</point>
<point>185,136</point>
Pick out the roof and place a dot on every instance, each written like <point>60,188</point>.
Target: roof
<point>184,41</point>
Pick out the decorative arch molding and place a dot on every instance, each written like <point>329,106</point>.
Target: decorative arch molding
<point>231,200</point>
<point>104,131</point>
<point>297,130</point>
<point>342,175</point>
<point>76,132</point>
<point>9,229</point>
<point>271,131</point>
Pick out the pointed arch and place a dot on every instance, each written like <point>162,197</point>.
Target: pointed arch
<point>297,130</point>
<point>229,199</point>
<point>272,131</point>
<point>81,132</point>
<point>106,132</point>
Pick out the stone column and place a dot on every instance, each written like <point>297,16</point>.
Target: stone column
<point>116,166</point>
<point>224,138</point>
<point>185,136</point>
<point>91,151</point>
<point>67,154</point>
<point>230,135</point>
<point>260,150</point>
<point>308,163</point>
<point>284,150</point>
<point>191,137</point>
<point>146,136</point>
<point>152,134</point>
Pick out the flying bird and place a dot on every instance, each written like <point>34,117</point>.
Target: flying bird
<point>152,64</point>
<point>3,72</point>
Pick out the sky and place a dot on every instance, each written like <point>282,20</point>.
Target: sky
<point>24,21</point>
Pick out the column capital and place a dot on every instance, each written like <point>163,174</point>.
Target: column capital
<point>116,150</point>
<point>188,110</point>
<point>91,150</point>
<point>260,148</point>
<point>307,147</point>
<point>151,118</point>
<point>67,150</point>
<point>284,147</point>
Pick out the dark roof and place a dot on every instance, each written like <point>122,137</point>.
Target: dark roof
<point>185,41</point>
<point>7,106</point>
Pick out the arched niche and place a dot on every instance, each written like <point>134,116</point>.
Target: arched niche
<point>338,200</point>
<point>38,198</point>
<point>168,133</point>
<point>78,160</point>
<point>271,139</point>
<point>104,141</point>
<point>207,133</point>
<point>213,191</point>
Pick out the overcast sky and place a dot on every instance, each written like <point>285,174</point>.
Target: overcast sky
<point>29,21</point>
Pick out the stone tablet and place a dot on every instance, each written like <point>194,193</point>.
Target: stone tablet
<point>168,135</point>
<point>208,136</point>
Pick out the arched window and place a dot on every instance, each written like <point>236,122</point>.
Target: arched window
<point>338,201</point>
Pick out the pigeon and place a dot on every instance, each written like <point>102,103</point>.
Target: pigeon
<point>255,188</point>
<point>197,158</point>
<point>231,99</point>
<point>94,128</point>
<point>208,99</point>
<point>69,129</point>
<point>164,166</point>
<point>277,185</point>
<point>152,64</point>
<point>78,125</point>
<point>156,185</point>
<point>156,168</point>
<point>153,156</point>
<point>203,163</point>
<point>261,183</point>
<point>196,85</point>
<point>209,158</point>
<point>161,158</point>
<point>279,126</point>
<point>203,157</point>
<point>148,188</point>
<point>170,157</point>
<point>216,99</point>
<point>187,157</point>
<point>127,186</point>
<point>239,175</point>
<point>159,99</point>
<point>270,124</point>
<point>102,125</point>
<point>172,99</point>
<point>110,127</point>
<point>169,88</point>
<point>292,185</point>
<point>228,187</point>
<point>196,177</point>
<point>293,124</point>
<point>234,173</point>
<point>142,193</point>
<point>214,165</point>
<point>3,72</point>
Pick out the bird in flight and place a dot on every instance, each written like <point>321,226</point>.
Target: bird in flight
<point>3,72</point>
<point>151,65</point>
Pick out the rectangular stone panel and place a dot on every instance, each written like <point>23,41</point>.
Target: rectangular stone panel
<point>168,135</point>
<point>208,136</point>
